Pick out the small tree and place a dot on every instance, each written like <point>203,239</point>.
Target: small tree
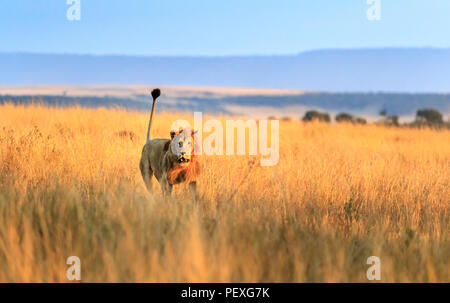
<point>314,115</point>
<point>429,116</point>
<point>344,117</point>
<point>360,120</point>
<point>388,120</point>
<point>392,120</point>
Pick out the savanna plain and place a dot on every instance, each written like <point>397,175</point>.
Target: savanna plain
<point>70,186</point>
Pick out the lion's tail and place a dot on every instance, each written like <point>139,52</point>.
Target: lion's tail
<point>155,94</point>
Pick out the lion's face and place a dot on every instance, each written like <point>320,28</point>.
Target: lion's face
<point>182,146</point>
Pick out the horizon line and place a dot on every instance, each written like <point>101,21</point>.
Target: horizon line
<point>384,48</point>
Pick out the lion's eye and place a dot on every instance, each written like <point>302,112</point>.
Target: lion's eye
<point>180,144</point>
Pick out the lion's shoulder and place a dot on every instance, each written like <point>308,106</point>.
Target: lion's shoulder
<point>156,148</point>
<point>157,144</point>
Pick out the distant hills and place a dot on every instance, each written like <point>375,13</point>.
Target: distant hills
<point>367,70</point>
<point>361,82</point>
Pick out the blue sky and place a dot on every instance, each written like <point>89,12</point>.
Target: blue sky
<point>219,27</point>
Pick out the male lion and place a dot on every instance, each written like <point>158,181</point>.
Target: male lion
<point>171,161</point>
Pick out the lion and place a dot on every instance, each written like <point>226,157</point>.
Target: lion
<point>172,161</point>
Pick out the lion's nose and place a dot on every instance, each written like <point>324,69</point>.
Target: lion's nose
<point>183,153</point>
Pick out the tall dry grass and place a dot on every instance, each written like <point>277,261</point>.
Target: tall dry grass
<point>70,185</point>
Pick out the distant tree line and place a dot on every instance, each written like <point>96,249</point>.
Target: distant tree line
<point>314,115</point>
<point>427,117</point>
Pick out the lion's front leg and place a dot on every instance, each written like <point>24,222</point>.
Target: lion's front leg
<point>166,187</point>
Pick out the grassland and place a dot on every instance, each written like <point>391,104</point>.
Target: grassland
<point>70,185</point>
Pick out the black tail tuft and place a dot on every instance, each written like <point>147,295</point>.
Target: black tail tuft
<point>156,93</point>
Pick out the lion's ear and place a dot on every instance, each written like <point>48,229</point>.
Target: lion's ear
<point>174,133</point>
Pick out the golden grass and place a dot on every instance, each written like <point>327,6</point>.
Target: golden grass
<point>69,185</point>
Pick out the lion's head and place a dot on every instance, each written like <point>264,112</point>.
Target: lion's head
<point>183,145</point>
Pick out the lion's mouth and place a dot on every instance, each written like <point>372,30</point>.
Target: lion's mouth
<point>183,160</point>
